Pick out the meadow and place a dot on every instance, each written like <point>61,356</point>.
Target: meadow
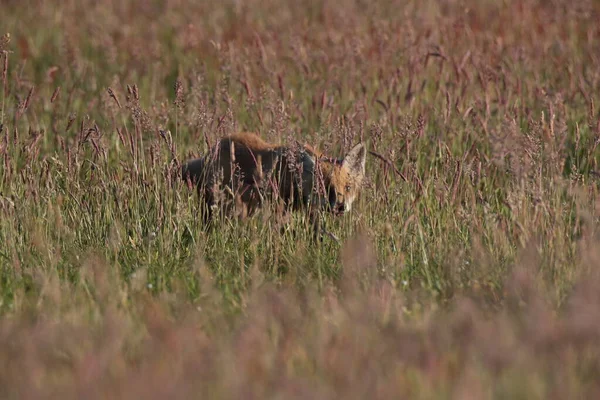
<point>467,269</point>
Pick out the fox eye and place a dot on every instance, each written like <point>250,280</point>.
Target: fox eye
<point>348,188</point>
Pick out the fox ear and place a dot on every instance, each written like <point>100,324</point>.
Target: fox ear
<point>355,159</point>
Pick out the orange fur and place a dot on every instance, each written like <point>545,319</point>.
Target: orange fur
<point>251,141</point>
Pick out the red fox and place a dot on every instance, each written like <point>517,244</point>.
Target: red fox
<point>250,170</point>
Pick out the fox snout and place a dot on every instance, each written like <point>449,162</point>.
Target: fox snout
<point>339,208</point>
<point>339,204</point>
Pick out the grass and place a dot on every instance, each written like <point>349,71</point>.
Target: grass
<point>467,268</point>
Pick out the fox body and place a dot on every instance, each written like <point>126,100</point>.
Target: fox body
<point>251,170</point>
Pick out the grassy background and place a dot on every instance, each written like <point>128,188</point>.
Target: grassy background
<point>468,268</point>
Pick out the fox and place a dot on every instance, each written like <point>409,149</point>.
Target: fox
<point>250,171</point>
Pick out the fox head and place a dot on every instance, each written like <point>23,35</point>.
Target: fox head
<point>343,179</point>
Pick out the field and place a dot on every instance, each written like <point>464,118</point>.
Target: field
<point>468,269</point>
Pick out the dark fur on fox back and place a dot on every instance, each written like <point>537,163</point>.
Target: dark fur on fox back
<point>274,171</point>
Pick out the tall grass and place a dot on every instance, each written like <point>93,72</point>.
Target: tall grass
<point>468,269</point>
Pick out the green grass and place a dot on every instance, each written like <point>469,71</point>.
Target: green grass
<point>468,266</point>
